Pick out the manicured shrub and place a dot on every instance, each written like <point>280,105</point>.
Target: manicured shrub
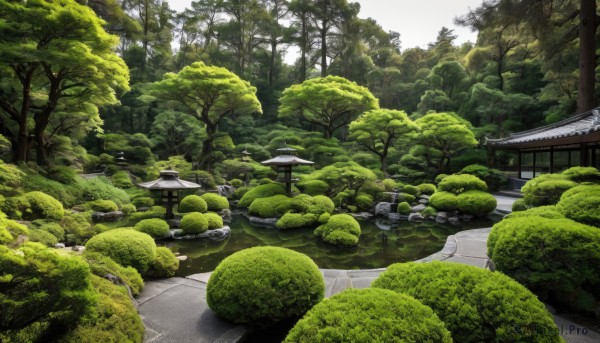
<point>582,174</point>
<point>314,187</point>
<point>264,285</point>
<point>143,202</point>
<point>102,265</point>
<point>429,212</point>
<point>69,195</point>
<point>320,204</point>
<point>323,218</point>
<point>364,201</point>
<point>113,318</point>
<point>582,204</point>
<point>494,178</point>
<point>262,191</point>
<point>193,223</point>
<point>546,189</point>
<point>519,205</point>
<point>41,236</point>
<point>157,228</point>
<point>409,198</point>
<point>101,206</point>
<point>360,315</point>
<point>101,188</point>
<point>10,230</point>
<point>427,188</point>
<point>410,189</point>
<point>558,259</point>
<point>54,229</point>
<point>340,229</point>
<point>239,193</point>
<point>389,185</point>
<point>270,207</point>
<point>404,208</point>
<point>461,183</point>
<point>549,211</point>
<point>237,183</point>
<point>215,221</point>
<point>192,203</point>
<point>125,246</point>
<point>297,220</point>
<point>153,212</point>
<point>165,265</point>
<point>41,290</point>
<point>121,179</point>
<point>444,201</point>
<point>42,206</point>
<point>78,227</point>
<point>128,209</point>
<point>215,202</point>
<point>477,203</point>
<point>476,305</point>
<point>439,178</point>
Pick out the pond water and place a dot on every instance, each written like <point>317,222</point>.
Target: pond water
<point>377,247</point>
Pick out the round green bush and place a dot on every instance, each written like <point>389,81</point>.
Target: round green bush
<point>412,190</point>
<point>582,174</point>
<point>320,204</point>
<point>270,207</point>
<point>323,218</point>
<point>403,208</point>
<point>546,189</point>
<point>558,259</point>
<point>165,265</point>
<point>101,265</point>
<point>41,236</point>
<point>582,204</point>
<point>364,202</point>
<point>429,212</point>
<point>409,198</point>
<point>476,305</point>
<point>444,201</point>
<point>128,209</point>
<point>389,185</point>
<point>155,227</point>
<point>296,220</point>
<point>439,178</point>
<point>55,229</point>
<point>340,229</point>
<point>369,315</point>
<point>519,205</point>
<point>143,202</point>
<point>192,203</point>
<point>314,187</point>
<point>215,202</point>
<point>239,193</point>
<point>121,179</point>
<point>237,183</point>
<point>427,188</point>
<point>477,203</point>
<point>461,183</point>
<point>125,246</point>
<point>153,212</point>
<point>42,206</point>
<point>549,211</point>
<point>193,223</point>
<point>215,221</point>
<point>261,191</point>
<point>101,206</point>
<point>264,285</point>
<point>494,178</point>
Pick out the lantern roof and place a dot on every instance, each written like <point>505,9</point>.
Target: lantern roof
<point>286,160</point>
<point>168,180</point>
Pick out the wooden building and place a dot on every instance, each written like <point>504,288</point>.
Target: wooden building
<point>553,148</point>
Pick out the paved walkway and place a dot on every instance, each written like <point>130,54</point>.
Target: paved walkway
<point>175,309</point>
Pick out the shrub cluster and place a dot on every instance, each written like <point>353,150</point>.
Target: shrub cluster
<point>101,206</point>
<point>403,208</point>
<point>461,183</point>
<point>262,191</point>
<point>582,204</point>
<point>444,201</point>
<point>546,189</point>
<point>476,305</point>
<point>314,187</point>
<point>143,202</point>
<point>340,229</point>
<point>192,203</point>
<point>101,188</point>
<point>165,265</point>
<point>155,227</point>
<point>427,188</point>
<point>69,195</point>
<point>41,236</point>
<point>494,178</point>
<point>297,220</point>
<point>215,221</point>
<point>127,247</point>
<point>264,285</point>
<point>121,179</point>
<point>101,265</point>
<point>215,202</point>
<point>10,230</point>
<point>193,223</point>
<point>582,174</point>
<point>154,212</point>
<point>477,203</point>
<point>361,315</point>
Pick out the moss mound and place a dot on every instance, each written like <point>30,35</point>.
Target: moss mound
<point>165,265</point>
<point>297,220</point>
<point>477,203</point>
<point>444,201</point>
<point>458,183</point>
<point>340,229</point>
<point>193,223</point>
<point>261,191</point>
<point>157,228</point>
<point>215,221</point>
<point>192,203</point>
<point>101,206</point>
<point>127,247</point>
<point>215,202</point>
<point>582,204</point>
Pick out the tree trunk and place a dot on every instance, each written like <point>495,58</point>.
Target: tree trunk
<point>324,50</point>
<point>207,147</point>
<point>272,62</point>
<point>303,43</point>
<point>587,55</point>
<point>22,142</point>
<point>41,122</point>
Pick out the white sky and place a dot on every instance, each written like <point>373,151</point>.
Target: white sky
<point>417,21</point>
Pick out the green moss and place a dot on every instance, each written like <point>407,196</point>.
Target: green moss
<point>264,285</point>
<point>549,211</point>
<point>41,236</point>
<point>314,187</point>
<point>215,202</point>
<point>444,201</point>
<point>340,229</point>
<point>429,212</point>
<point>369,315</point>
<point>475,304</point>
<point>215,221</point>
<point>101,188</point>
<point>427,188</point>
<point>193,223</point>
<point>192,203</point>
<point>262,191</point>
<point>461,183</point>
<point>239,193</point>
<point>128,209</point>
<point>440,177</point>
<point>582,204</point>
<point>274,206</point>
<point>476,203</point>
<point>154,212</point>
<point>78,227</point>
<point>55,229</point>
<point>237,183</point>
<point>412,190</point>
<point>297,220</point>
<point>126,246</point>
<point>157,228</point>
<point>519,205</point>
<point>404,208</point>
<point>143,202</point>
<point>121,179</point>
<point>101,206</point>
<point>494,178</point>
<point>102,265</point>
<point>323,218</point>
<point>37,205</point>
<point>165,265</point>
<point>364,202</point>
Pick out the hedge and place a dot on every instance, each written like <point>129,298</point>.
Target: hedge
<point>494,178</point>
<point>143,202</point>
<point>101,206</point>
<point>476,305</point>
<point>477,203</point>
<point>340,229</point>
<point>192,203</point>
<point>519,205</point>
<point>369,315</point>
<point>125,246</point>
<point>444,201</point>
<point>546,189</point>
<point>34,205</point>
<point>193,223</point>
<point>297,220</point>
<point>558,259</point>
<point>264,285</point>
<point>215,202</point>
<point>582,174</point>
<point>549,211</point>
<point>461,183</point>
<point>261,191</point>
<point>165,265</point>
<point>427,188</point>
<point>314,187</point>
<point>215,221</point>
<point>582,204</point>
<point>155,227</point>
<point>102,265</point>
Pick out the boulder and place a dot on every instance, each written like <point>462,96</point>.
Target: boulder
<point>383,209</point>
<point>362,215</point>
<point>226,215</point>
<point>442,217</point>
<point>415,217</point>
<point>226,190</point>
<point>263,221</point>
<point>454,221</point>
<point>59,245</point>
<point>466,217</point>
<point>423,201</point>
<point>216,235</point>
<point>424,196</point>
<point>107,217</point>
<point>418,208</point>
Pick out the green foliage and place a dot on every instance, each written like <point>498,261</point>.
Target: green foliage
<point>427,188</point>
<point>153,212</point>
<point>475,304</point>
<point>101,265</point>
<point>582,204</point>
<point>261,191</point>
<point>264,285</point>
<point>100,188</point>
<point>494,178</point>
<point>477,203</point>
<point>113,318</point>
<point>215,221</point>
<point>273,206</point>
<point>192,203</point>
<point>165,265</point>
<point>128,209</point>
<point>412,190</point>
<point>176,133</point>
<point>340,229</point>
<point>44,237</point>
<point>157,228</point>
<point>409,198</point>
<point>127,247</point>
<point>429,212</point>
<point>364,202</point>
<point>101,206</point>
<point>389,185</point>
<point>55,229</point>
<point>194,222</point>
<point>69,194</point>
<point>404,208</point>
<point>369,315</point>
<point>179,164</point>
<point>215,202</point>
<point>314,187</point>
<point>237,183</point>
<point>519,205</point>
<point>240,192</point>
<point>458,183</point>
<point>343,177</point>
<point>78,227</point>
<point>297,220</point>
<point>143,202</point>
<point>549,211</point>
<point>35,205</point>
<point>136,148</point>
<point>43,293</point>
<point>121,179</point>
<point>10,230</point>
<point>10,178</point>
<point>444,201</point>
<point>582,174</point>
<point>546,189</point>
<point>440,177</point>
<point>558,259</point>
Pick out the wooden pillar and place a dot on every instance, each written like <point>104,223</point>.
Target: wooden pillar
<point>288,179</point>
<point>491,157</point>
<point>583,157</point>
<point>551,159</point>
<point>519,169</point>
<point>169,205</point>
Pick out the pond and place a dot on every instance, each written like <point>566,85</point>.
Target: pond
<point>377,247</point>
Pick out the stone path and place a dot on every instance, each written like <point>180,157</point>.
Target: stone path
<point>175,309</point>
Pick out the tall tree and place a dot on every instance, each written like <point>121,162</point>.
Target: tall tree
<point>64,55</point>
<point>276,32</point>
<point>300,10</point>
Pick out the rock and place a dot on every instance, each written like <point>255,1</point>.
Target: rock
<point>383,224</point>
<point>263,221</point>
<point>362,215</point>
<point>466,217</point>
<point>394,216</point>
<point>415,217</point>
<point>226,215</point>
<point>174,223</point>
<point>175,233</point>
<point>383,209</point>
<point>112,278</point>
<point>182,258</point>
<point>107,217</point>
<point>454,221</point>
<point>59,245</point>
<point>142,209</point>
<point>216,235</point>
<point>78,248</point>
<point>423,201</point>
<point>226,190</point>
<point>442,217</point>
<point>424,196</point>
<point>386,196</point>
<point>418,208</point>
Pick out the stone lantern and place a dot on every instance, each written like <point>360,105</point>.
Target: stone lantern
<point>169,184</point>
<point>121,160</point>
<point>284,163</point>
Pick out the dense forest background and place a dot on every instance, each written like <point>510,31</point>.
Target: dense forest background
<point>523,71</point>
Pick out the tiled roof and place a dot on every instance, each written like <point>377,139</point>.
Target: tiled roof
<point>286,160</point>
<point>169,180</point>
<point>578,125</point>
